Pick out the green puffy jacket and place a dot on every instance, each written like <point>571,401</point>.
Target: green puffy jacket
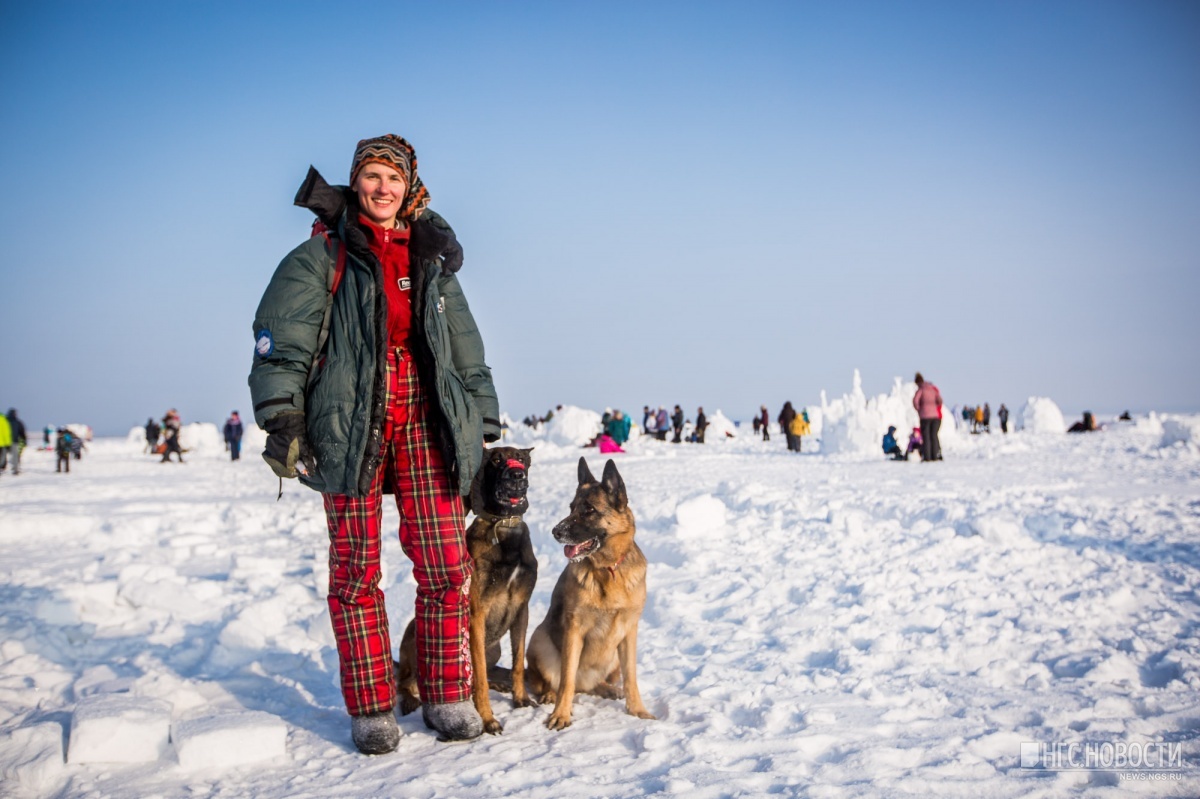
<point>343,399</point>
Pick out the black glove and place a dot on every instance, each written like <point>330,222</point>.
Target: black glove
<point>452,255</point>
<point>287,445</point>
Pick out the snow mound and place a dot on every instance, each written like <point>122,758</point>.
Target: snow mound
<point>1041,415</point>
<point>720,427</point>
<point>570,427</point>
<point>1150,424</point>
<point>119,728</point>
<point>700,515</point>
<point>1184,432</point>
<point>231,739</point>
<point>32,757</point>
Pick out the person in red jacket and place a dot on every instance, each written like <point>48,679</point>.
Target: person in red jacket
<point>928,402</point>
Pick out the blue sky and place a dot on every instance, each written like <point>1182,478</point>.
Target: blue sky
<point>701,203</point>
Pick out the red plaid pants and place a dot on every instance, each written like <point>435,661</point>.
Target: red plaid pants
<point>433,537</point>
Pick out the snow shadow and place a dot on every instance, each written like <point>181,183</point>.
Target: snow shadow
<point>65,655</point>
<point>1059,529</point>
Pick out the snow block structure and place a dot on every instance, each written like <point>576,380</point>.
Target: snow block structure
<point>1041,415</point>
<point>855,424</point>
<point>230,739</point>
<point>119,728</point>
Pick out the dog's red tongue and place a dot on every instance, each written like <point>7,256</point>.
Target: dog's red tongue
<point>574,550</point>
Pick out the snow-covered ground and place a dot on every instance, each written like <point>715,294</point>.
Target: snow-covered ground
<point>820,625</point>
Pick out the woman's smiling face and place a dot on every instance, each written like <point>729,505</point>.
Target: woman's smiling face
<point>380,190</point>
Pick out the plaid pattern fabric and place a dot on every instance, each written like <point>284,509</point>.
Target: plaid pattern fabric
<point>433,537</point>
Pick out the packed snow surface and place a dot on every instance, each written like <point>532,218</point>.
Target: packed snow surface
<point>825,624</point>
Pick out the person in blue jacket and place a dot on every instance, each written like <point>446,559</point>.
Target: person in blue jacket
<point>890,447</point>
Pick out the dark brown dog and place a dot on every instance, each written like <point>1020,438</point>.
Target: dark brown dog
<point>504,572</point>
<point>590,631</point>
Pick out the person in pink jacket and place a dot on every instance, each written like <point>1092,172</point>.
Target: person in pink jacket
<point>928,402</point>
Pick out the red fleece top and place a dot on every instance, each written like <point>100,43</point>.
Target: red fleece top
<point>391,248</point>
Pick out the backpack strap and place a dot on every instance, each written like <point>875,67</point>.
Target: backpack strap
<point>333,280</point>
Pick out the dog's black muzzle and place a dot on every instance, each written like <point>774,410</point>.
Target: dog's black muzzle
<point>512,487</point>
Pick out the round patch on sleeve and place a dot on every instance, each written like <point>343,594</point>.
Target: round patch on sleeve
<point>264,345</point>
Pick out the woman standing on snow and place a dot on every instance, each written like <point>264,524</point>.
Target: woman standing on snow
<point>928,403</point>
<point>396,399</point>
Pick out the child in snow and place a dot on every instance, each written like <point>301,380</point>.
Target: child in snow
<point>890,447</point>
<point>914,443</point>
<point>606,443</point>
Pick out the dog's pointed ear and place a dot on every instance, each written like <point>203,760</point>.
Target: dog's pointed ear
<point>585,474</point>
<point>614,485</point>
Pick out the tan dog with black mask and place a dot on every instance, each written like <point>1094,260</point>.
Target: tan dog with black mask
<point>589,635</point>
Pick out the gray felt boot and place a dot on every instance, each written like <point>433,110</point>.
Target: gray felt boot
<point>376,733</point>
<point>454,721</point>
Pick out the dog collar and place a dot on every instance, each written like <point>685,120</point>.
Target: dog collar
<point>613,568</point>
<point>507,522</point>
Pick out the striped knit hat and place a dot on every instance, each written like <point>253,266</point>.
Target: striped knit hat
<point>392,150</point>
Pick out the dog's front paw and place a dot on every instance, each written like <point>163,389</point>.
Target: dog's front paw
<point>408,703</point>
<point>642,713</point>
<point>493,727</point>
<point>558,720</point>
<point>524,701</point>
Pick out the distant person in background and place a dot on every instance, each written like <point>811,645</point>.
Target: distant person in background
<point>17,429</point>
<point>647,419</point>
<point>1125,417</point>
<point>765,417</point>
<point>800,427</point>
<point>1087,425</point>
<point>987,418</point>
<point>47,431</point>
<point>62,450</point>
<point>978,419</point>
<point>662,423</point>
<point>757,422</point>
<point>5,441</point>
<point>152,430</point>
<point>701,423</point>
<point>890,447</point>
<point>968,415</point>
<point>617,427</point>
<point>928,402</point>
<point>677,424</point>
<point>233,436</point>
<point>626,427</point>
<point>606,444</point>
<point>171,427</point>
<point>786,416</point>
<point>915,444</point>
<point>1002,415</point>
